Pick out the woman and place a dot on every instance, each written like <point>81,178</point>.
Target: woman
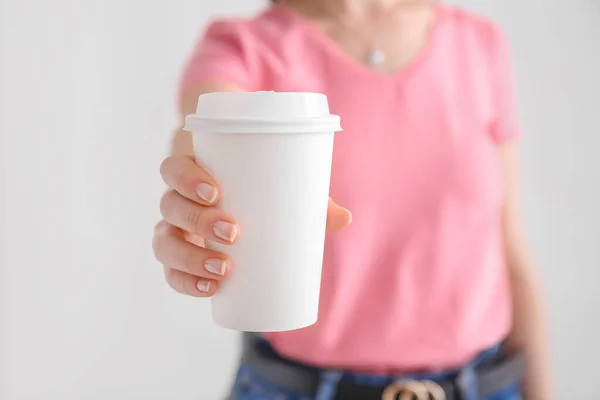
<point>430,291</point>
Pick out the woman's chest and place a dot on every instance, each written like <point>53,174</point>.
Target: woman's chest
<point>419,137</point>
<point>415,143</point>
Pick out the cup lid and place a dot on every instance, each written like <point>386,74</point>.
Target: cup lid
<point>269,112</point>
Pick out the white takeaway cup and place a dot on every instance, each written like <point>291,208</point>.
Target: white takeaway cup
<point>271,155</point>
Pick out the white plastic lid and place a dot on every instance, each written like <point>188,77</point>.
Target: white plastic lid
<point>268,112</point>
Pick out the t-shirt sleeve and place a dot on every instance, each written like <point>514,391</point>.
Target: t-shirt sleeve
<point>224,55</point>
<point>506,124</point>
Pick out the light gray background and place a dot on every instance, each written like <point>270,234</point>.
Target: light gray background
<point>86,107</point>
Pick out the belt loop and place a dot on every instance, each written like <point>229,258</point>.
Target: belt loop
<point>466,383</point>
<point>328,385</point>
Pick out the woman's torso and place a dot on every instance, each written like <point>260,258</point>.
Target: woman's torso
<point>418,279</point>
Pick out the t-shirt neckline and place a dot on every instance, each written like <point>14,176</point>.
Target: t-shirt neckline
<point>337,52</point>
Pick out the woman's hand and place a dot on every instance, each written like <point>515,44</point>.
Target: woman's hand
<point>189,217</point>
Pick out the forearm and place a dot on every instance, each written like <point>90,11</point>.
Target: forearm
<point>529,332</point>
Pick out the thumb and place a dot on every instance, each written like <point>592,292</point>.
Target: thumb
<point>337,216</point>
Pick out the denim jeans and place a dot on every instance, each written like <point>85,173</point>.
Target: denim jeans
<point>249,385</point>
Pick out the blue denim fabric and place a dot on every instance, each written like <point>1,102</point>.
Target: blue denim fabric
<point>251,386</point>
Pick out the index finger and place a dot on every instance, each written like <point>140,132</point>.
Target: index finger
<point>183,175</point>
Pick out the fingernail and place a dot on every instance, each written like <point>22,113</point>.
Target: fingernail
<point>203,286</point>
<point>206,192</point>
<point>216,266</point>
<point>225,230</point>
<point>349,216</point>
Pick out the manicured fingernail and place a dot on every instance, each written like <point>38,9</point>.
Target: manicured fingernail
<point>225,230</point>
<point>206,192</point>
<point>349,216</point>
<point>216,266</point>
<point>203,286</point>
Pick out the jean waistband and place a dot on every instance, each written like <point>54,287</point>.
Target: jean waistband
<point>383,379</point>
<point>487,373</point>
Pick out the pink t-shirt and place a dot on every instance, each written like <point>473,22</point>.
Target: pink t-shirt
<point>418,280</point>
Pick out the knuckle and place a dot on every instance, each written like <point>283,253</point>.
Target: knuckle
<point>194,219</point>
<point>180,282</point>
<point>188,286</point>
<point>157,227</point>
<point>165,202</point>
<point>168,272</point>
<point>165,167</point>
<point>182,178</point>
<point>191,262</point>
<point>158,244</point>
<point>155,245</point>
<point>175,280</point>
<point>160,227</point>
<point>176,171</point>
<point>168,275</point>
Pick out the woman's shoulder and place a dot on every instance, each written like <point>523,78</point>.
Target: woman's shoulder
<point>474,25</point>
<point>269,27</point>
<point>241,51</point>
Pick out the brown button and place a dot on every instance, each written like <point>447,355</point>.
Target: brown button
<point>407,390</point>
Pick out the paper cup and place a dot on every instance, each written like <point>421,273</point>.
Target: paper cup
<point>271,155</point>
